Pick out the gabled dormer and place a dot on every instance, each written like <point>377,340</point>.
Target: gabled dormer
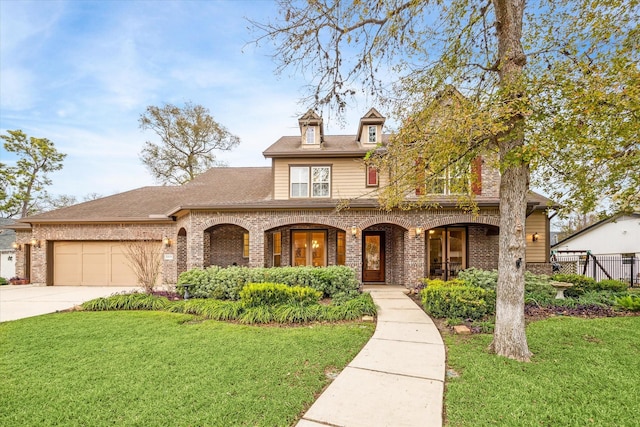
<point>311,130</point>
<point>370,129</point>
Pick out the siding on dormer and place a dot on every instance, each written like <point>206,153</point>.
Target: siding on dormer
<point>348,177</point>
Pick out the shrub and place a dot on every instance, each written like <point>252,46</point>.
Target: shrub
<point>611,285</point>
<point>440,282</point>
<point>257,294</point>
<point>133,301</point>
<point>466,302</point>
<point>581,284</point>
<point>296,313</point>
<point>226,283</point>
<point>341,297</point>
<point>599,298</point>
<point>489,279</point>
<point>486,279</point>
<point>258,314</point>
<point>629,302</point>
<point>3,281</point>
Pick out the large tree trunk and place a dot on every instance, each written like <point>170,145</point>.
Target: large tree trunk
<point>509,339</point>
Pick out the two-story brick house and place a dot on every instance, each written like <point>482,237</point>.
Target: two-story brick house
<point>277,216</point>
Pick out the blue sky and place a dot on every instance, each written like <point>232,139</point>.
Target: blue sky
<point>80,73</point>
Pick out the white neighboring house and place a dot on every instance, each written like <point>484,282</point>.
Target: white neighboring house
<point>611,239</point>
<point>7,252</point>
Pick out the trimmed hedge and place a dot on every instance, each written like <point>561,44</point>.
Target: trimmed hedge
<point>453,300</point>
<point>226,283</point>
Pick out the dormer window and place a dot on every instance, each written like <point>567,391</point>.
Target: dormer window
<point>310,135</point>
<point>372,134</point>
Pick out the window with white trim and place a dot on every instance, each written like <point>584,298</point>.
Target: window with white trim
<point>454,179</point>
<point>372,134</point>
<point>310,135</point>
<point>320,180</point>
<point>310,181</point>
<point>299,178</point>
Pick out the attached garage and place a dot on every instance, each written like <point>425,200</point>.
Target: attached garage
<point>91,264</point>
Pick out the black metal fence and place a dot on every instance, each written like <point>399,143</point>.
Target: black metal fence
<point>625,267</point>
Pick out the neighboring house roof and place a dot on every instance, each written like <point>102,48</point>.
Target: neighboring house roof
<point>7,236</point>
<point>332,146</point>
<point>594,226</point>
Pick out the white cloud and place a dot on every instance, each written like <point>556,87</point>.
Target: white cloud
<point>16,89</point>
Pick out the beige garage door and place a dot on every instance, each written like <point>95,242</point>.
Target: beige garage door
<point>91,264</point>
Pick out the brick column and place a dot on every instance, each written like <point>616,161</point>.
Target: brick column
<point>414,260</point>
<point>354,253</point>
<point>195,250</point>
<point>256,248</point>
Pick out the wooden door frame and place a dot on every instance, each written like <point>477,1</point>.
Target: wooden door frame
<point>382,255</point>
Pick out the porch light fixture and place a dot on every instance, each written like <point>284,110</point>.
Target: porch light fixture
<point>166,241</point>
<point>17,246</point>
<point>534,237</point>
<point>418,232</point>
<point>354,231</point>
<point>35,243</point>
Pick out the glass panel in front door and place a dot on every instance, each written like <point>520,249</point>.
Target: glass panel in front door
<point>318,250</point>
<point>372,254</point>
<point>299,248</point>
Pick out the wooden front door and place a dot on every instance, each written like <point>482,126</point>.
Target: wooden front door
<point>373,256</point>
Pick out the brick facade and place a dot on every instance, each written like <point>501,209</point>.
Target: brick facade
<point>203,238</point>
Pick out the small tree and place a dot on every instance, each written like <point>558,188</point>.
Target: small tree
<point>23,185</point>
<point>145,258</point>
<point>188,138</point>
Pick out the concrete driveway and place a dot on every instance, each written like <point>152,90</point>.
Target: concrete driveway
<point>20,301</point>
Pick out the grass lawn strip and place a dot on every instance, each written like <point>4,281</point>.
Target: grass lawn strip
<point>584,372</point>
<point>158,368</point>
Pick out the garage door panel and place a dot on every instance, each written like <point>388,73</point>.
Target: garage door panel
<point>68,267</point>
<point>95,269</point>
<point>121,271</point>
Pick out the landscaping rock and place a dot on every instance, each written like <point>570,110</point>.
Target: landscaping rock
<point>367,318</point>
<point>461,330</point>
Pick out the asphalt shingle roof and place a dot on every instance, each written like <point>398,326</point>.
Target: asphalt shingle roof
<point>333,145</point>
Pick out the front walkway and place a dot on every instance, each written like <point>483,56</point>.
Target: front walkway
<point>396,380</point>
<point>20,301</point>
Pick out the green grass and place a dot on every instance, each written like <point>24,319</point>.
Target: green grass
<point>585,372</point>
<point>159,368</point>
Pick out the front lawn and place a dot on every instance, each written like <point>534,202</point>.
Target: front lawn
<point>158,368</point>
<point>584,372</point>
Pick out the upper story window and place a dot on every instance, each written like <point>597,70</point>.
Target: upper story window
<point>372,176</point>
<point>372,134</point>
<point>310,181</point>
<point>453,180</point>
<point>310,137</point>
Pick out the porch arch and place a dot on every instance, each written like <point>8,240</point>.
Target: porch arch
<point>307,219</point>
<point>463,218</point>
<point>224,219</point>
